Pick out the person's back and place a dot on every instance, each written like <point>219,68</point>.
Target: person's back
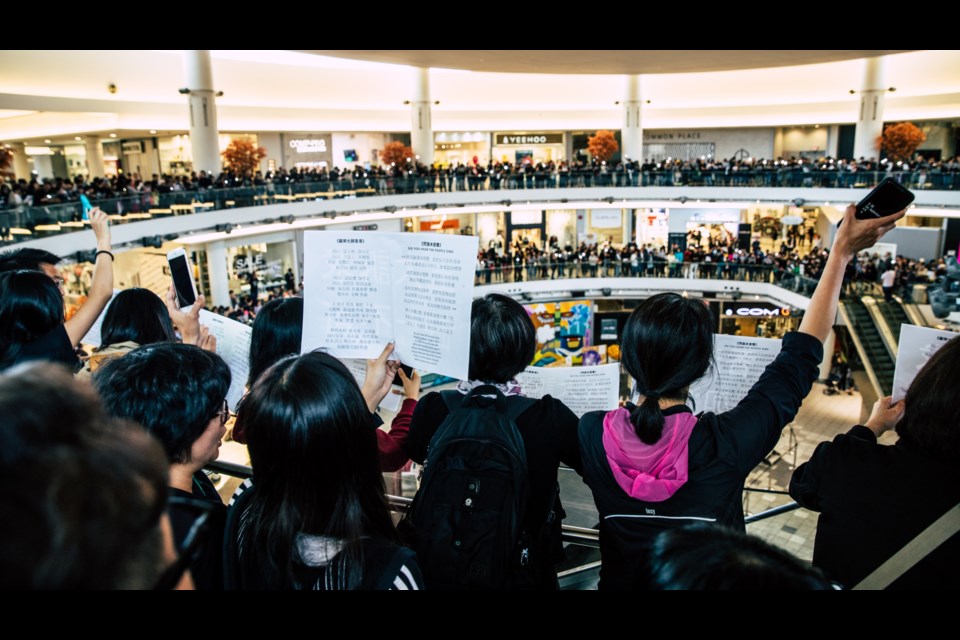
<point>502,344</point>
<point>874,499</point>
<point>654,465</point>
<point>314,516</point>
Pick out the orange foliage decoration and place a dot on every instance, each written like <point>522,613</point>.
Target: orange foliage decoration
<point>6,158</point>
<point>602,145</point>
<point>396,152</point>
<point>243,157</point>
<point>900,141</point>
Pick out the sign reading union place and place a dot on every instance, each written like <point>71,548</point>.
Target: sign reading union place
<point>528,138</point>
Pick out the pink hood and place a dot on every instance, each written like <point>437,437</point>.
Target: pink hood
<point>649,472</point>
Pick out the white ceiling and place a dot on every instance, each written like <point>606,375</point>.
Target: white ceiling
<point>51,94</point>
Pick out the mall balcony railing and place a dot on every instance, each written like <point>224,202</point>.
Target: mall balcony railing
<point>732,271</point>
<point>52,216</point>
<point>584,575</point>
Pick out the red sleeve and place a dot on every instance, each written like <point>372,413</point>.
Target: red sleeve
<point>390,444</point>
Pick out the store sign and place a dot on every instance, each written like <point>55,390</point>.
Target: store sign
<point>606,219</point>
<point>671,135</point>
<point>528,138</point>
<point>132,147</point>
<point>309,145</point>
<point>761,312</point>
<point>243,263</point>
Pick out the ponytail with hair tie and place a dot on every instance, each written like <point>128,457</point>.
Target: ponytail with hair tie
<point>647,417</point>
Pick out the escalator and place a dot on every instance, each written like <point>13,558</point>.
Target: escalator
<point>893,315</point>
<point>870,345</point>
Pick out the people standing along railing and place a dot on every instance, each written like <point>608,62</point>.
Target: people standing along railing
<point>58,211</point>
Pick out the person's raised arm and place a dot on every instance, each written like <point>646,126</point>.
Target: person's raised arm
<point>852,237</point>
<point>101,288</point>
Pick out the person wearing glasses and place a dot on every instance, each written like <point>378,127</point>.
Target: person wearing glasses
<point>32,323</point>
<point>176,391</point>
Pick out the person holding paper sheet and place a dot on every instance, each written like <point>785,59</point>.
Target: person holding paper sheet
<point>654,465</point>
<point>873,499</point>
<point>32,324</point>
<point>502,344</point>
<point>278,332</point>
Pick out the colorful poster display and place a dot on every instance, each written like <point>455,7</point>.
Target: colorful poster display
<point>564,330</point>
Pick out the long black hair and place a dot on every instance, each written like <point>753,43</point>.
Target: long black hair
<point>136,315</point>
<point>667,345</point>
<point>277,332</point>
<point>30,307</point>
<point>931,418</point>
<point>314,456</point>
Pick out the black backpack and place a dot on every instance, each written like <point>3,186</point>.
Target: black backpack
<point>468,517</point>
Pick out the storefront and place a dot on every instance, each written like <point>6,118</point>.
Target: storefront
<point>598,226</point>
<point>651,227</point>
<point>176,153</point>
<point>450,223</point>
<point>464,147</point>
<point>528,147</point>
<point>269,262</point>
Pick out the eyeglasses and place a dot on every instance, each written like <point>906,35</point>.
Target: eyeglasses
<point>224,413</point>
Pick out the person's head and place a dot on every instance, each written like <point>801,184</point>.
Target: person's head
<point>81,494</point>
<point>30,307</point>
<point>931,418</point>
<point>175,391</point>
<point>709,557</point>
<point>277,332</point>
<point>667,345</point>
<point>32,259</point>
<point>502,339</point>
<point>136,315</point>
<point>314,455</point>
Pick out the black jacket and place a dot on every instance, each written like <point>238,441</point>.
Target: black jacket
<point>873,500</point>
<point>723,450</point>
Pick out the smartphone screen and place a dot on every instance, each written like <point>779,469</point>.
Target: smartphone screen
<point>407,370</point>
<point>85,203</point>
<point>886,199</point>
<point>182,281</point>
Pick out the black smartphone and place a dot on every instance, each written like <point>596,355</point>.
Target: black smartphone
<point>397,380</point>
<point>886,199</point>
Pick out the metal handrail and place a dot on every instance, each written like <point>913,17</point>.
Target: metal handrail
<point>769,513</point>
<point>582,536</point>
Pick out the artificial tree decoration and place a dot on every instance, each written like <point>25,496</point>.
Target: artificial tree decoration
<point>243,157</point>
<point>900,141</point>
<point>602,145</point>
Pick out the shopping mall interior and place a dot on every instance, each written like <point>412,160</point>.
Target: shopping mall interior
<point>393,196</point>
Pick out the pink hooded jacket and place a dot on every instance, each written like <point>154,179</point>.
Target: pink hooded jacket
<point>649,472</point>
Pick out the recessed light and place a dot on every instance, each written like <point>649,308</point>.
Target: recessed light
<point>47,141</point>
<point>113,135</point>
<point>77,138</point>
<point>153,130</point>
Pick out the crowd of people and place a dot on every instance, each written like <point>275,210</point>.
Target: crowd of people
<point>103,483</point>
<point>415,177</point>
